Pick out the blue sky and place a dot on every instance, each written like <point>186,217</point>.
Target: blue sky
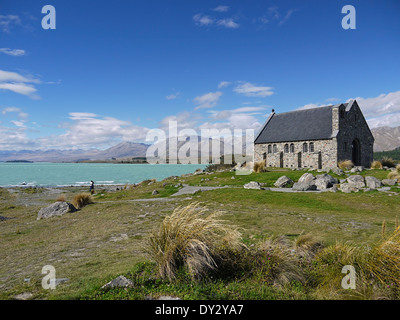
<point>113,70</point>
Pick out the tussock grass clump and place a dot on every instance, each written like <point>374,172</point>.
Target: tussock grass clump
<point>395,174</point>
<point>259,167</point>
<point>345,164</point>
<point>191,238</point>
<point>388,162</point>
<point>376,165</point>
<point>383,261</point>
<point>308,244</point>
<point>82,199</point>
<point>61,198</point>
<point>277,264</point>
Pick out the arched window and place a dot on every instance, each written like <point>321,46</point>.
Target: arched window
<point>305,147</point>
<point>274,148</point>
<point>286,148</point>
<point>311,146</point>
<point>269,149</point>
<point>292,148</point>
<point>264,156</point>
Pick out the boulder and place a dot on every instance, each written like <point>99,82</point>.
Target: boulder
<point>155,192</point>
<point>252,185</point>
<point>337,171</point>
<point>357,169</point>
<point>120,282</point>
<point>389,182</point>
<point>348,188</point>
<point>56,209</point>
<point>304,186</point>
<point>372,182</point>
<point>306,178</point>
<point>324,181</point>
<point>283,182</point>
<point>357,181</point>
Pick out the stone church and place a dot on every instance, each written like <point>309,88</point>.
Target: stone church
<point>315,138</point>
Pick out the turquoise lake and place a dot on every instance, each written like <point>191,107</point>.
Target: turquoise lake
<point>79,174</point>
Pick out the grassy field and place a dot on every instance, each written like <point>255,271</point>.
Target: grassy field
<point>105,239</point>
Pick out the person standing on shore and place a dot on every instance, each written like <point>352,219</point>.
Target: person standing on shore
<point>91,187</point>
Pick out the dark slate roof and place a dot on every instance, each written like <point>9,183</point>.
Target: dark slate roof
<point>299,125</point>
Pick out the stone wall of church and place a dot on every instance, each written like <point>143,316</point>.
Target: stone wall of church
<point>293,154</point>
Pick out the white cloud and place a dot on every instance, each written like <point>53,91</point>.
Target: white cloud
<point>273,15</point>
<point>22,116</point>
<point>10,109</point>
<point>7,22</point>
<point>92,130</point>
<point>223,84</point>
<point>184,120</point>
<point>228,23</point>
<point>251,90</point>
<point>13,52</point>
<point>377,106</point>
<point>14,139</point>
<point>287,16</point>
<point>20,124</point>
<point>221,9</point>
<point>17,83</point>
<point>203,20</point>
<point>383,110</point>
<point>208,100</point>
<point>172,96</point>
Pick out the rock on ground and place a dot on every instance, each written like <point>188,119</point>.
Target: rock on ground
<point>252,185</point>
<point>324,181</point>
<point>56,209</point>
<point>306,178</point>
<point>357,181</point>
<point>372,182</point>
<point>389,182</point>
<point>283,182</point>
<point>119,282</point>
<point>304,186</point>
<point>337,171</point>
<point>348,188</point>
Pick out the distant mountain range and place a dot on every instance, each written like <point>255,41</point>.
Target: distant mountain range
<point>121,150</point>
<point>386,138</point>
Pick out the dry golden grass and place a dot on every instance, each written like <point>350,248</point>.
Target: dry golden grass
<point>308,244</point>
<point>282,265</point>
<point>383,261</point>
<point>61,198</point>
<point>376,165</point>
<point>82,199</point>
<point>394,175</point>
<point>193,238</point>
<point>259,167</point>
<point>388,162</point>
<point>345,164</point>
